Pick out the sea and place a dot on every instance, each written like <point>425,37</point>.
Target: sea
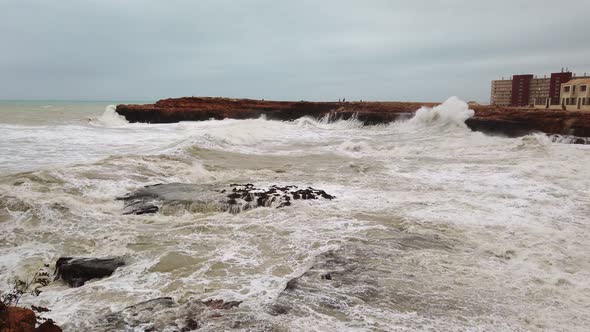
<point>433,227</point>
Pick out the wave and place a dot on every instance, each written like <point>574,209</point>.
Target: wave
<point>453,112</point>
<point>568,139</point>
<point>110,118</point>
<point>330,121</point>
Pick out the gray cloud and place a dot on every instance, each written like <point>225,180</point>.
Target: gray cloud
<point>315,50</point>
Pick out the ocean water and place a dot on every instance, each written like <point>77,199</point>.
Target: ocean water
<point>433,228</point>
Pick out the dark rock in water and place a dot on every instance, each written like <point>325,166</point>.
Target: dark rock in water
<point>279,309</point>
<point>77,271</point>
<point>48,326</point>
<point>141,314</point>
<point>327,276</point>
<point>145,209</point>
<point>191,325</point>
<point>169,198</point>
<point>291,284</point>
<point>164,314</point>
<point>220,304</point>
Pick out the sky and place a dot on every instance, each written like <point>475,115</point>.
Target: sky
<point>420,50</point>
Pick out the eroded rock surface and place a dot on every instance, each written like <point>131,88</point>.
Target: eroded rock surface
<point>77,271</point>
<point>16,319</point>
<point>235,198</point>
<point>164,314</point>
<point>508,121</point>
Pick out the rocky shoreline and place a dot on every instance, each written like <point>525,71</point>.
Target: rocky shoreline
<point>507,121</point>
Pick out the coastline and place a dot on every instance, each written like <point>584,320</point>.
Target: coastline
<point>508,121</point>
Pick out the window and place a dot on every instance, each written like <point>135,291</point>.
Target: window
<point>566,89</point>
<point>582,88</point>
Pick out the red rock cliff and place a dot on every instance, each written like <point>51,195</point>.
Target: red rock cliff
<point>504,120</point>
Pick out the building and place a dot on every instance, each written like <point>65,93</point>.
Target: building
<point>575,95</point>
<point>501,92</point>
<point>521,90</point>
<point>530,91</point>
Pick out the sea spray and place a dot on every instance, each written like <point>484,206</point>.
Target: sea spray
<point>110,118</point>
<point>434,226</point>
<point>453,112</point>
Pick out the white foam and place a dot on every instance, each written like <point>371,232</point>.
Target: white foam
<point>110,118</point>
<point>457,213</point>
<point>453,112</point>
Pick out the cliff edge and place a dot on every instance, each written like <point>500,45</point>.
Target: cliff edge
<point>507,121</point>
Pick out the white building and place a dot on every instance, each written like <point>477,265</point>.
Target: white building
<point>575,95</point>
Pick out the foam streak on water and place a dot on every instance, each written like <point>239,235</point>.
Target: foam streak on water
<point>434,227</point>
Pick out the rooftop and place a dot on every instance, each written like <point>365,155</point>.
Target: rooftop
<point>578,81</point>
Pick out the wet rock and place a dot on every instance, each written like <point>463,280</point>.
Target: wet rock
<point>77,271</point>
<point>291,284</point>
<point>191,325</point>
<point>220,304</point>
<point>48,326</point>
<point>169,198</point>
<point>279,309</point>
<point>147,314</point>
<point>146,209</point>
<point>327,276</point>
<point>164,314</point>
<point>510,121</point>
<point>14,319</point>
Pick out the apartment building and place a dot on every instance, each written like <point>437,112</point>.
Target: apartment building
<point>575,95</point>
<point>530,91</point>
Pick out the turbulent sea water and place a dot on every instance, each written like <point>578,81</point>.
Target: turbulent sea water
<point>433,228</point>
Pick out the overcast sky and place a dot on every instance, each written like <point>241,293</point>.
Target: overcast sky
<point>419,50</point>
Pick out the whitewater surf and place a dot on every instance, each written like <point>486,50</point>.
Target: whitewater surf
<point>431,227</point>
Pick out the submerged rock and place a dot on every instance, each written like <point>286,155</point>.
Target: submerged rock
<point>77,271</point>
<point>220,304</point>
<point>168,198</point>
<point>164,314</point>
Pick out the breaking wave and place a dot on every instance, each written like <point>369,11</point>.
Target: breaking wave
<point>434,226</point>
<point>110,118</point>
<point>453,112</point>
<point>330,121</point>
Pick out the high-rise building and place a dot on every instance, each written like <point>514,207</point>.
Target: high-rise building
<point>501,92</point>
<point>521,90</point>
<point>530,91</point>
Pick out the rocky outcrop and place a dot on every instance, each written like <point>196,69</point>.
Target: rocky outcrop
<point>164,314</point>
<point>15,319</point>
<point>48,326</point>
<point>507,121</point>
<point>517,122</point>
<point>77,271</point>
<point>204,108</point>
<point>235,198</point>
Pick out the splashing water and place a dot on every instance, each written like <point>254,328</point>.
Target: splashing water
<point>433,227</point>
<point>452,112</point>
<point>110,118</point>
